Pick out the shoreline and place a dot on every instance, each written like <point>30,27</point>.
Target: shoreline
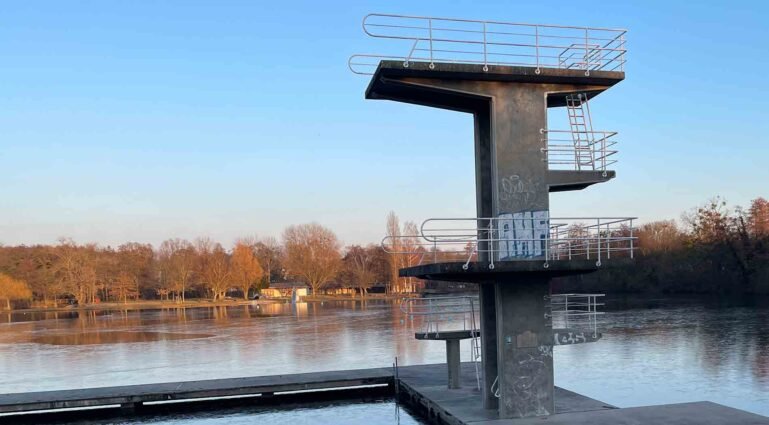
<point>197,303</point>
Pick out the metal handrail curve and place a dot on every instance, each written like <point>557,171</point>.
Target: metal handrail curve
<point>490,43</point>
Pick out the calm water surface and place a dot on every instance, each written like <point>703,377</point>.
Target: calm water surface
<point>653,351</point>
<point>379,413</point>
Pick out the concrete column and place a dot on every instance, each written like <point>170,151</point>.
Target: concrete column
<point>525,349</point>
<point>452,361</point>
<point>488,344</point>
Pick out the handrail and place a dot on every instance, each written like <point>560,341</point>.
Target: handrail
<point>596,153</point>
<point>496,239</point>
<point>490,43</point>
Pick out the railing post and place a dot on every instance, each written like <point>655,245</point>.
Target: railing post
<point>587,244</point>
<point>631,238</point>
<point>622,46</point>
<point>430,24</point>
<point>536,46</point>
<point>587,67</point>
<point>608,243</point>
<point>603,152</point>
<point>598,249</point>
<point>547,242</point>
<point>491,242</point>
<point>485,49</point>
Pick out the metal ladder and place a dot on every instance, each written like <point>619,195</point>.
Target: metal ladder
<point>581,126</point>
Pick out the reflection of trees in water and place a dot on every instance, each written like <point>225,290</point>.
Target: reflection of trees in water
<point>721,338</point>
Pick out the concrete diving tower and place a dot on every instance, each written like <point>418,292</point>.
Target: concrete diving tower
<point>507,75</point>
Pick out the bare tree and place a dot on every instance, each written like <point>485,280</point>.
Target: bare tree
<point>178,262</point>
<point>394,247</point>
<point>214,267</point>
<point>312,252</point>
<point>270,256</point>
<point>246,270</point>
<point>136,260</point>
<point>359,267</point>
<point>410,256</point>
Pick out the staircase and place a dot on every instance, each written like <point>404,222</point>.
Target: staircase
<point>581,127</point>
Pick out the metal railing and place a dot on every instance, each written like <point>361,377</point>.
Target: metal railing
<point>490,43</point>
<point>595,153</point>
<point>514,237</point>
<point>447,313</point>
<point>443,313</point>
<point>576,313</point>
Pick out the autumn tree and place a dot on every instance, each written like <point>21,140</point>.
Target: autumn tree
<point>13,289</point>
<point>660,236</point>
<point>75,270</point>
<point>758,217</point>
<point>246,270</point>
<point>124,287</point>
<point>136,259</point>
<point>710,223</point>
<point>213,267</point>
<point>312,253</point>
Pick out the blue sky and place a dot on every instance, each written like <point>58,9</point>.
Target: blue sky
<point>147,120</point>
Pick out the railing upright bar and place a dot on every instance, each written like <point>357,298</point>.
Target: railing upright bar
<point>430,23</point>
<point>598,229</point>
<point>536,44</point>
<point>587,68</point>
<point>485,58</point>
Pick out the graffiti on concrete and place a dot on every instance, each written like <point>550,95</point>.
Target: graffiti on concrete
<point>531,382</point>
<point>523,234</point>
<point>565,337</point>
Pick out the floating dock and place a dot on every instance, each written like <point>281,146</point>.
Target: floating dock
<point>423,388</point>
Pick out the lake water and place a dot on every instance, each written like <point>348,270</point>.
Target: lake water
<point>654,351</point>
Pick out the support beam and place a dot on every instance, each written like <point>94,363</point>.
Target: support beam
<point>452,362</point>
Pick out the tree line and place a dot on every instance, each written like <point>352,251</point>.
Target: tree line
<point>84,274</point>
<point>714,249</point>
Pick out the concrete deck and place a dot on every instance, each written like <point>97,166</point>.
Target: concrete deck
<point>135,395</point>
<point>423,387</point>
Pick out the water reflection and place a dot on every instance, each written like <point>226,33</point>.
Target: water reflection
<point>112,337</point>
<point>653,352</point>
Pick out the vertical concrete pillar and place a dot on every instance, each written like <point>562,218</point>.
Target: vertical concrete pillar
<point>488,345</point>
<point>452,361</point>
<point>525,348</point>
